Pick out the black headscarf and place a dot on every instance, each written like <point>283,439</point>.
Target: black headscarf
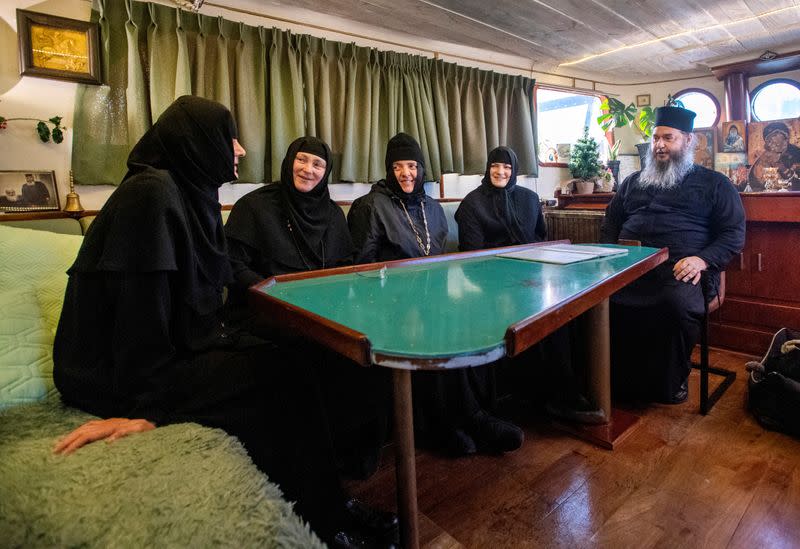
<point>502,204</point>
<point>165,215</point>
<point>308,212</point>
<point>404,147</point>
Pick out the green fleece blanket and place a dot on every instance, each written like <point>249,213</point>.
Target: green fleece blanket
<point>176,486</point>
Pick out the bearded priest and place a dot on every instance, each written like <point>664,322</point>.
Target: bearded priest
<point>698,215</point>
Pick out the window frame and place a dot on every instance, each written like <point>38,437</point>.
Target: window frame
<point>755,91</point>
<point>600,96</point>
<point>708,94</point>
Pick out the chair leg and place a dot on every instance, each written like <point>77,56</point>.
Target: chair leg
<point>707,401</point>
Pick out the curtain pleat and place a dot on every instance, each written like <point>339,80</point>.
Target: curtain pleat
<point>280,86</point>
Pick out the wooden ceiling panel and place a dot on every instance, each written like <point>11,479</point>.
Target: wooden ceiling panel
<point>550,32</point>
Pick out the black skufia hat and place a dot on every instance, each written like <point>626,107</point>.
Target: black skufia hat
<point>675,117</point>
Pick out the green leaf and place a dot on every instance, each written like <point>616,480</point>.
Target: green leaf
<point>56,120</point>
<point>43,131</point>
<point>58,135</point>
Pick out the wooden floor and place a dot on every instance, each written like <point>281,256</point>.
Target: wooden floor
<point>679,480</point>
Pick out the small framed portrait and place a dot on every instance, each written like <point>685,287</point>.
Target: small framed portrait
<point>59,48</point>
<point>704,148</point>
<point>733,138</point>
<point>28,191</point>
<point>643,100</point>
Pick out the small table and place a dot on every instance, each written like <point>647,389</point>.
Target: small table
<point>453,311</point>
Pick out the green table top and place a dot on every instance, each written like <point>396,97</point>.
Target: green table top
<point>448,308</point>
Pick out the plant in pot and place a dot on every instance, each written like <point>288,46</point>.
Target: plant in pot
<point>612,163</point>
<point>617,114</point>
<point>584,163</point>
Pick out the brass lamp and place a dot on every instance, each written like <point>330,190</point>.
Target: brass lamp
<point>73,200</point>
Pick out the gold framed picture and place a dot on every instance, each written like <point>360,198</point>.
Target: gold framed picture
<point>59,48</point>
<point>643,100</point>
<point>28,191</point>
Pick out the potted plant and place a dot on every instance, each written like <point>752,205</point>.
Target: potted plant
<point>584,163</point>
<point>617,114</point>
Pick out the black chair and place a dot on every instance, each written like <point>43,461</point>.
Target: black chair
<point>711,304</point>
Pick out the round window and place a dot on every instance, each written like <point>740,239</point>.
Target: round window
<point>776,99</point>
<point>702,103</point>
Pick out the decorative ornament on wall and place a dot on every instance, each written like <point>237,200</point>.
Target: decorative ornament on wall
<point>42,127</point>
<point>58,48</point>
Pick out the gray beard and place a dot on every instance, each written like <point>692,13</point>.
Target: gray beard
<point>666,175</point>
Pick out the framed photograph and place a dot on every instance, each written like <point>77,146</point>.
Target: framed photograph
<point>59,48</point>
<point>774,148</point>
<point>28,191</point>
<point>733,138</point>
<point>643,100</point>
<point>704,148</point>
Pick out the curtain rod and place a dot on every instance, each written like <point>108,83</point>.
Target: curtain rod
<point>437,55</point>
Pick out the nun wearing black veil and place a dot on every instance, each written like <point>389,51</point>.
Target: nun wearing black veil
<point>396,220</point>
<point>501,213</point>
<point>293,225</point>
<point>141,341</point>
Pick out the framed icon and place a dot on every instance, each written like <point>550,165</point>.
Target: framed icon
<point>58,48</point>
<point>643,100</point>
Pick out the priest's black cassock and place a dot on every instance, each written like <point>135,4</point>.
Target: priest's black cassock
<point>141,334</point>
<point>656,319</point>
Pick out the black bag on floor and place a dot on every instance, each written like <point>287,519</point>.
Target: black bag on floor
<point>774,385</point>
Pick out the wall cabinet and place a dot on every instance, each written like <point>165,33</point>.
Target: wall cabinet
<point>763,282</point>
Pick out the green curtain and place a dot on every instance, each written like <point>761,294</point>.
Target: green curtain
<point>280,85</point>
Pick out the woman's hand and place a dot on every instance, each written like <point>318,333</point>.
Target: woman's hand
<point>101,429</point>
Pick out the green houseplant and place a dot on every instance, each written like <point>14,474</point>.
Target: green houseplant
<point>617,114</point>
<point>584,163</point>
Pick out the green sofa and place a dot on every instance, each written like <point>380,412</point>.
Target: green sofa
<point>177,486</point>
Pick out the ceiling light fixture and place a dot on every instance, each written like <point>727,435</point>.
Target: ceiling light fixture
<point>193,5</point>
<point>680,34</point>
<point>768,55</point>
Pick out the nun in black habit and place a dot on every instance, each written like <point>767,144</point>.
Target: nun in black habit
<point>397,220</point>
<point>293,225</point>
<point>501,213</point>
<point>141,341</point>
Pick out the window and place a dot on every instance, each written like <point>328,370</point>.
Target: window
<point>561,117</point>
<point>776,99</point>
<point>703,103</point>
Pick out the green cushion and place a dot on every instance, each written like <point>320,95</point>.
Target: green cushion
<point>176,486</point>
<point>26,350</point>
<point>63,225</point>
<point>39,260</point>
<point>85,221</point>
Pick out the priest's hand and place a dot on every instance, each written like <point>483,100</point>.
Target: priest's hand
<point>689,269</point>
<point>101,429</point>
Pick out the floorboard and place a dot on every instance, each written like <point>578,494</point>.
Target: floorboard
<point>679,480</point>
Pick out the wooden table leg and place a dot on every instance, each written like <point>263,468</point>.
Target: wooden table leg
<point>598,343</point>
<point>596,333</point>
<point>405,466</point>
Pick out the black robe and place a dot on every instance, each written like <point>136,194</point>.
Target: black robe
<point>275,230</point>
<point>656,319</point>
<point>443,401</point>
<point>481,224</point>
<point>140,333</point>
<point>381,230</point>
